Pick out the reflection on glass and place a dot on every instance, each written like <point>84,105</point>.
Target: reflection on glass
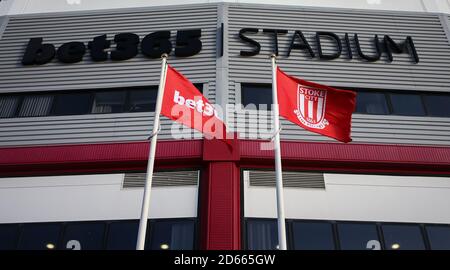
<point>257,95</point>
<point>313,236</point>
<point>109,102</point>
<point>407,104</point>
<point>38,105</point>
<point>8,236</point>
<point>174,235</point>
<point>371,103</point>
<point>403,237</point>
<point>262,235</point>
<point>358,236</point>
<point>122,235</point>
<point>85,236</point>
<point>437,105</point>
<point>143,100</point>
<point>72,103</point>
<point>39,236</point>
<point>439,236</point>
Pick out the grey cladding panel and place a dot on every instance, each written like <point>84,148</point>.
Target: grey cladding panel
<point>365,129</point>
<point>58,29</point>
<point>139,71</point>
<point>89,128</point>
<point>431,74</point>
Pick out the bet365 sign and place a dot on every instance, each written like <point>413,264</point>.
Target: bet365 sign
<point>153,45</point>
<point>188,43</point>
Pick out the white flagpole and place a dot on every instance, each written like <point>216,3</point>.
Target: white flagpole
<point>151,161</point>
<point>278,169</point>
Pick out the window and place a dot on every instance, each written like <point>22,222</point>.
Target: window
<point>312,236</point>
<point>84,236</point>
<point>259,95</point>
<point>437,105</point>
<point>122,235</point>
<point>404,237</point>
<point>109,102</point>
<point>8,106</point>
<point>358,236</point>
<point>407,104</point>
<point>8,236</point>
<point>173,235</point>
<point>36,105</point>
<point>262,235</point>
<point>39,236</point>
<point>142,100</point>
<point>199,86</point>
<point>371,103</point>
<point>439,237</point>
<point>72,103</point>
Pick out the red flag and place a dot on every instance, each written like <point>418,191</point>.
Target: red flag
<point>315,107</point>
<point>184,103</point>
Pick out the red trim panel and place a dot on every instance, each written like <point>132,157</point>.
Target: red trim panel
<point>86,158</point>
<point>403,159</point>
<point>110,157</point>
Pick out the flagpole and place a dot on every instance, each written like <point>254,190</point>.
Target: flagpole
<point>151,158</point>
<point>278,169</point>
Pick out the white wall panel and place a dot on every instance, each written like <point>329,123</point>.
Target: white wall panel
<point>88,197</point>
<point>358,198</point>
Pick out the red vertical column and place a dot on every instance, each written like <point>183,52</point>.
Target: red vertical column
<point>220,208</point>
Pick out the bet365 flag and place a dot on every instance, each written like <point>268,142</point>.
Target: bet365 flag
<point>184,103</point>
<point>315,107</point>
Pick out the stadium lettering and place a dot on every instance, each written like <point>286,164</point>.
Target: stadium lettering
<point>337,44</point>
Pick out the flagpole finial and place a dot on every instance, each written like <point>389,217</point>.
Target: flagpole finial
<point>164,55</point>
<point>273,56</point>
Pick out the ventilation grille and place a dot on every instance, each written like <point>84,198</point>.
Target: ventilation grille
<point>290,179</point>
<point>162,179</point>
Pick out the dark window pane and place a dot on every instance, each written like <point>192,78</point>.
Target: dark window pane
<point>439,237</point>
<point>262,235</point>
<point>407,104</point>
<point>72,103</point>
<point>84,236</point>
<point>174,235</point>
<point>122,235</point>
<point>8,106</point>
<point>259,96</point>
<point>38,105</point>
<point>371,103</point>
<point>405,237</point>
<point>143,100</point>
<point>39,236</point>
<point>199,86</point>
<point>8,236</point>
<point>313,236</point>
<point>354,236</point>
<point>438,105</point>
<point>109,102</point>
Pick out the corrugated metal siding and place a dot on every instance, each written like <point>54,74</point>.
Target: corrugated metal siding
<point>58,29</point>
<point>365,129</point>
<point>139,71</point>
<point>431,74</point>
<point>87,129</point>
